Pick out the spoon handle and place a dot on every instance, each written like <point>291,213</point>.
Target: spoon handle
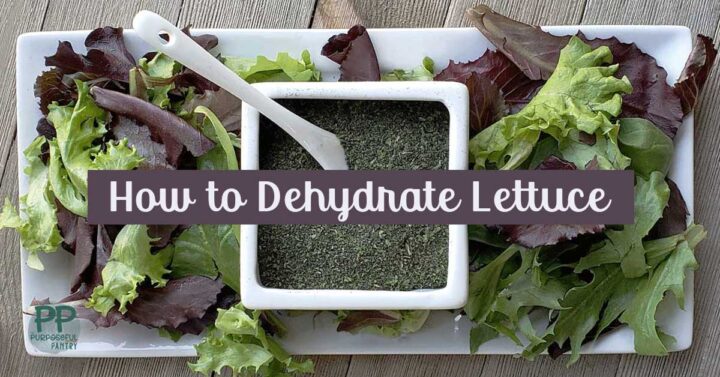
<point>321,144</point>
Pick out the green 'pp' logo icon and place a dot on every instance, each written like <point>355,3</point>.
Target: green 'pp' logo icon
<point>58,314</point>
<point>54,328</point>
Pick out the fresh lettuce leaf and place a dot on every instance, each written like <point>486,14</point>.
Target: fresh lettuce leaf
<point>74,151</point>
<point>355,53</point>
<point>583,305</point>
<point>239,342</point>
<point>581,96</point>
<point>38,229</point>
<point>106,57</point>
<point>640,315</point>
<point>626,246</point>
<point>283,68</point>
<point>390,323</point>
<point>485,285</point>
<point>158,74</point>
<point>207,250</point>
<point>180,301</point>
<point>130,263</point>
<point>77,128</point>
<point>696,71</point>
<point>423,72</point>
<point>117,156</point>
<point>648,148</point>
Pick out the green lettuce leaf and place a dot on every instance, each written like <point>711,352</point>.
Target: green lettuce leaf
<point>668,276</point>
<point>283,68</point>
<point>207,250</point>
<point>583,305</point>
<point>38,229</point>
<point>626,246</point>
<point>130,263</point>
<point>74,151</point>
<point>77,128</point>
<point>157,75</point>
<point>239,342</point>
<point>582,95</point>
<point>648,147</point>
<point>485,285</point>
<point>424,72</point>
<point>117,156</point>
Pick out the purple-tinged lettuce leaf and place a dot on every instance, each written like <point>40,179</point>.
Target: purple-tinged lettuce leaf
<point>223,104</point>
<point>355,53</point>
<point>486,102</point>
<point>536,53</point>
<point>674,216</point>
<point>534,235</point>
<point>130,263</point>
<point>516,88</point>
<point>171,129</point>
<point>696,71</point>
<point>581,96</point>
<point>206,41</point>
<point>179,301</point>
<point>107,56</point>
<point>50,87</point>
<point>84,252</point>
<point>225,299</point>
<point>45,129</point>
<point>138,136</point>
<point>652,98</point>
<point>556,163</point>
<point>532,50</point>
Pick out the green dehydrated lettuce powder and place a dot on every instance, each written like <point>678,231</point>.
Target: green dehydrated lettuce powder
<point>376,135</point>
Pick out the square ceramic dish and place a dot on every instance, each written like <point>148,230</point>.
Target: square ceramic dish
<point>454,295</point>
<point>444,332</point>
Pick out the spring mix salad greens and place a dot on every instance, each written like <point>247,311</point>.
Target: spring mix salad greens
<point>538,102</point>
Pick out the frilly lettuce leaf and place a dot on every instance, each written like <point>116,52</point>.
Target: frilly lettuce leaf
<point>77,128</point>
<point>355,53</point>
<point>581,96</point>
<point>283,68</point>
<point>74,151</point>
<point>38,229</point>
<point>130,263</point>
<point>157,75</point>
<point>423,72</point>
<point>668,276</point>
<point>117,156</point>
<point>240,343</point>
<point>626,246</point>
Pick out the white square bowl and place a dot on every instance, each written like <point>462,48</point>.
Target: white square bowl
<point>454,295</point>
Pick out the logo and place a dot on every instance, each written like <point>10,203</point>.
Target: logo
<point>54,329</point>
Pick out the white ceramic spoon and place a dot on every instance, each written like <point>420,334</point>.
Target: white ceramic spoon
<point>324,146</point>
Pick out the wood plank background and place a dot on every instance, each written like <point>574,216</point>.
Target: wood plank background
<point>702,16</point>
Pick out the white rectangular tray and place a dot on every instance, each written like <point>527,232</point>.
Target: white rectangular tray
<point>396,48</point>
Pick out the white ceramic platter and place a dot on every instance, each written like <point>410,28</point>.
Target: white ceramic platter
<point>444,333</point>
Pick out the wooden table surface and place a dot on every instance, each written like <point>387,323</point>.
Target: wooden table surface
<point>702,16</point>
